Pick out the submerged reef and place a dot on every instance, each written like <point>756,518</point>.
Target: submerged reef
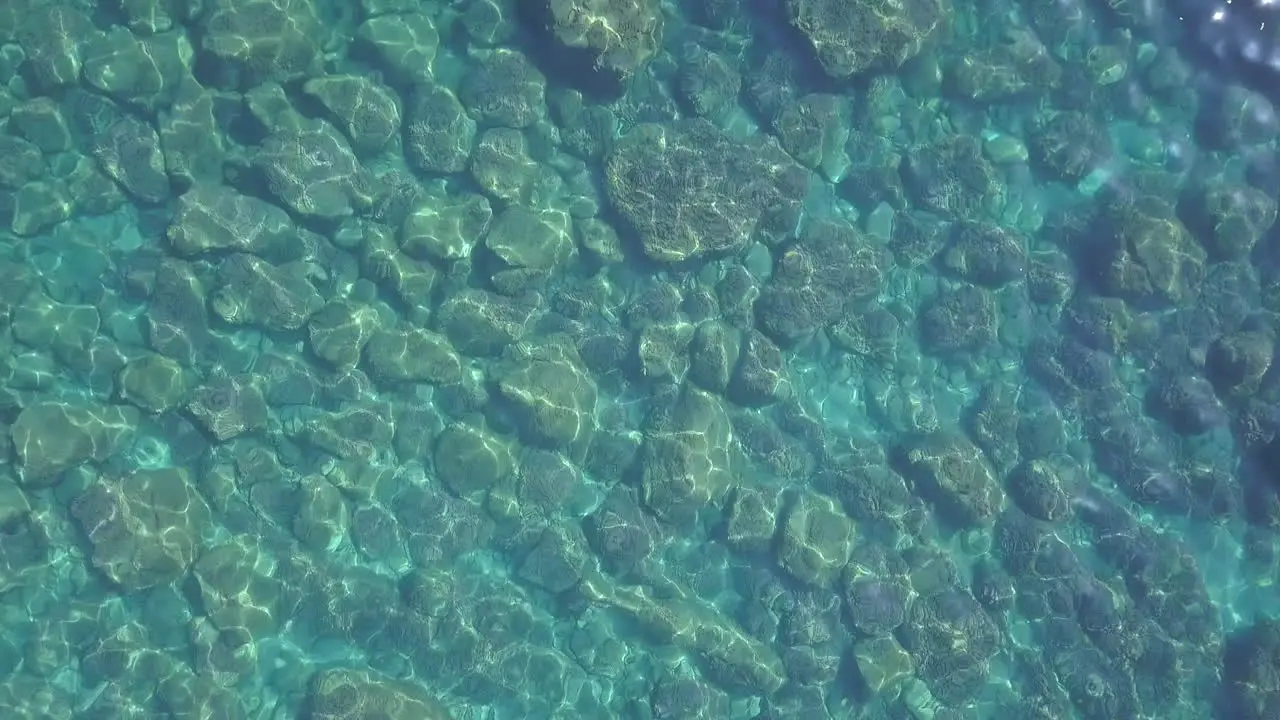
<point>558,359</point>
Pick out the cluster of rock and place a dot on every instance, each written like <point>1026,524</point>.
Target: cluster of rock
<point>511,281</point>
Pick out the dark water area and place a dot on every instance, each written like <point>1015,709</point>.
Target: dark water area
<point>578,359</point>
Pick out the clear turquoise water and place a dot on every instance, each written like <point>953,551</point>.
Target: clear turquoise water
<point>591,359</point>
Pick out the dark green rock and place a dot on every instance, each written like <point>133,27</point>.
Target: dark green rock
<point>252,41</point>
<point>313,171</point>
<point>152,382</point>
<point>438,133</point>
<point>366,111</point>
<point>503,87</point>
<point>254,292</point>
<point>129,151</point>
<point>340,330</point>
<point>49,437</point>
<point>412,355</point>
<point>405,43</point>
<point>41,122</point>
<point>213,218</point>
<point>145,527</point>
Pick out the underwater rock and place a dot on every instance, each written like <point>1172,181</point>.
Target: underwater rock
<point>553,397</point>
<point>502,166</point>
<point>215,217</point>
<point>688,461</point>
<point>445,228</point>
<point>482,323</point>
<point>751,522</point>
<point>691,191</point>
<point>471,460</point>
<point>154,383</point>
<point>313,171</point>
<point>142,72</point>
<point>129,151</point>
<point>49,437</point>
<point>438,133</point>
<point>145,527</point>
<point>226,405</point>
<point>253,41</point>
<point>340,330</point>
<point>254,292</point>
<point>366,111</point>
<point>349,694</point>
<point>954,472</point>
<point>406,43</point>
<point>616,36</point>
<point>41,122</point>
<point>503,88</point>
<point>411,355</point>
<point>853,37</point>
<point>816,540</point>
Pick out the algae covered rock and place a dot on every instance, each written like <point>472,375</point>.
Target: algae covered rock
<point>539,240</point>
<point>412,355</point>
<point>215,217</point>
<point>504,88</point>
<point>253,41</point>
<point>144,527</point>
<point>1147,256</point>
<point>952,639</point>
<point>49,437</point>
<point>405,43</point>
<point>687,461</point>
<point>986,254</point>
<point>313,171</point>
<point>689,190</point>
<point>958,319</point>
<point>816,540</point>
<point>618,36</point>
<point>480,323</point>
<point>153,382</point>
<point>349,694</point>
<point>228,405</point>
<point>957,476</point>
<point>438,133</point>
<point>41,122</point>
<point>854,36</point>
<point>366,111</point>
<point>552,395</point>
<point>445,228</point>
<point>953,178</point>
<point>1230,219</point>
<point>708,83</point>
<point>129,151</point>
<point>254,292</point>
<point>471,460</point>
<point>815,131</point>
<point>340,330</point>
<point>831,265</point>
<point>761,375</point>
<point>1068,146</point>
